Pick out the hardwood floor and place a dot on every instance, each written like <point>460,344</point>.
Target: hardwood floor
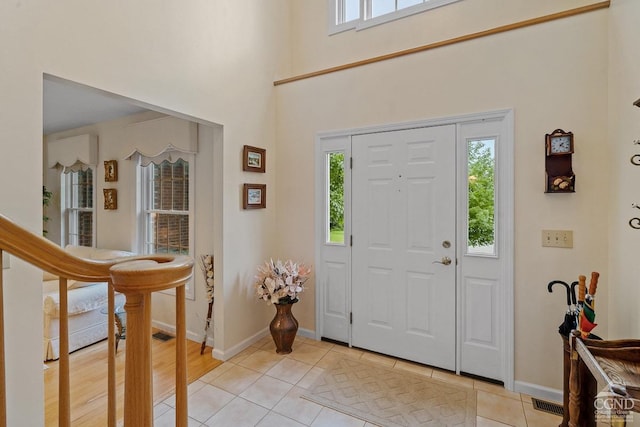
<point>88,380</point>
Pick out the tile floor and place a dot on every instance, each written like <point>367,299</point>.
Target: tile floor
<point>261,388</point>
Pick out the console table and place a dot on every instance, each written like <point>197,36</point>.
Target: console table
<point>614,364</point>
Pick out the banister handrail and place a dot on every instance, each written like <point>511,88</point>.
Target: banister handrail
<point>136,277</point>
<point>48,256</point>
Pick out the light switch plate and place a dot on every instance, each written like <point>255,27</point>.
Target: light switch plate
<point>5,260</point>
<point>557,238</point>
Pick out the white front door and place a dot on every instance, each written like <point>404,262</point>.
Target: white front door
<point>404,254</point>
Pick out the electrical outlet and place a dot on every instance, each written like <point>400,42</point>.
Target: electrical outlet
<point>557,238</point>
<point>5,260</point>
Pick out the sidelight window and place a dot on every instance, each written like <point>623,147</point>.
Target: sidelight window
<point>481,200</point>
<point>335,208</point>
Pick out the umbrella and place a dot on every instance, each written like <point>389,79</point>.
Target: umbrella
<point>570,318</point>
<point>587,313</point>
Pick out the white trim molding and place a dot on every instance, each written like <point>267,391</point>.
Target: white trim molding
<point>541,392</point>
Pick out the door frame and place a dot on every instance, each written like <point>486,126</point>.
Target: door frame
<point>505,198</point>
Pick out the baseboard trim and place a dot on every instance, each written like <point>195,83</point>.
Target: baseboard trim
<point>191,336</point>
<point>228,354</point>
<point>541,392</point>
<point>307,333</point>
<point>225,355</point>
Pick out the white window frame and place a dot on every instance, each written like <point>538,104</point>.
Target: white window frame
<point>143,199</point>
<point>66,195</point>
<point>366,21</point>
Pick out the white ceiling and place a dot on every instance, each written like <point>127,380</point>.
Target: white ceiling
<point>68,105</point>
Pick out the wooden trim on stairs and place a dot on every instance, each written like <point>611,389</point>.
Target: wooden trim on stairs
<point>137,278</point>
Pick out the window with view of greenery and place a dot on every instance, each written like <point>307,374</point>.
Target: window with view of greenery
<point>481,197</point>
<point>336,197</point>
<point>166,207</point>
<point>78,190</point>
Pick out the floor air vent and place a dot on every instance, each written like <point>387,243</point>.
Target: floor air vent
<point>162,336</point>
<point>552,408</point>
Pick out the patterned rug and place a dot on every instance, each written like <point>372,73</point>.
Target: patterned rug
<point>392,397</point>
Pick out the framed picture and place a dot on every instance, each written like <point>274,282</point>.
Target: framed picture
<point>254,196</point>
<point>110,170</point>
<point>254,159</point>
<point>110,199</point>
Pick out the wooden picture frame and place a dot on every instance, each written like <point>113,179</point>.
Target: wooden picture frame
<point>254,159</point>
<point>110,171</point>
<point>110,199</point>
<point>254,196</point>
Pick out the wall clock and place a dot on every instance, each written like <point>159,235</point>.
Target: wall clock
<point>559,176</point>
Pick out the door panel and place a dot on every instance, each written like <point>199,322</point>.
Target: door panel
<point>403,208</point>
<point>482,284</point>
<point>333,272</point>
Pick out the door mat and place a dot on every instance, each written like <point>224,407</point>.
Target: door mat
<point>392,397</point>
<point>162,336</point>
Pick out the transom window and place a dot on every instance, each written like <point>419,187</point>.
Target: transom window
<point>360,14</point>
<point>78,199</point>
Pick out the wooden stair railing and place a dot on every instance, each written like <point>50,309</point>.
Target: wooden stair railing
<point>136,277</point>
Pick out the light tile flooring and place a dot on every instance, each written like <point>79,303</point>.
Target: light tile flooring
<point>261,388</point>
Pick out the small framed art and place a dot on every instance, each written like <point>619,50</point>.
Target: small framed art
<point>254,196</point>
<point>110,199</point>
<point>254,159</point>
<point>110,171</point>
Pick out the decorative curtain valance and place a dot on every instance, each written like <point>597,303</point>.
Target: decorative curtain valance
<point>74,153</point>
<point>167,138</point>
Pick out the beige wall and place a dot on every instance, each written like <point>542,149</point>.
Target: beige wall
<point>624,128</point>
<point>211,60</point>
<point>553,75</point>
<point>216,61</point>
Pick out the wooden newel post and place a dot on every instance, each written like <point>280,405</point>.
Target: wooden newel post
<point>138,389</point>
<point>137,279</point>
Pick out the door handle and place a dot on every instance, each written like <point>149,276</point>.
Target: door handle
<point>445,260</point>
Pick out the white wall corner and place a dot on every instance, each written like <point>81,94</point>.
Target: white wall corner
<point>6,261</point>
<point>541,392</point>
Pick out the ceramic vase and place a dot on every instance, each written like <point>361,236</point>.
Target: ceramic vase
<point>283,328</point>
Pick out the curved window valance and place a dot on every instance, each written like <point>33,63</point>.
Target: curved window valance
<point>167,138</point>
<point>170,153</point>
<point>74,153</point>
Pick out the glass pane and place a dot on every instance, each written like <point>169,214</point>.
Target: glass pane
<point>351,10</point>
<point>82,189</point>
<point>169,233</point>
<point>406,3</point>
<point>380,7</point>
<point>336,197</point>
<point>481,197</point>
<point>80,227</point>
<point>85,228</point>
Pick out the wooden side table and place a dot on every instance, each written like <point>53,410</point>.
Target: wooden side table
<point>120,318</point>
<point>614,363</point>
<point>120,315</point>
